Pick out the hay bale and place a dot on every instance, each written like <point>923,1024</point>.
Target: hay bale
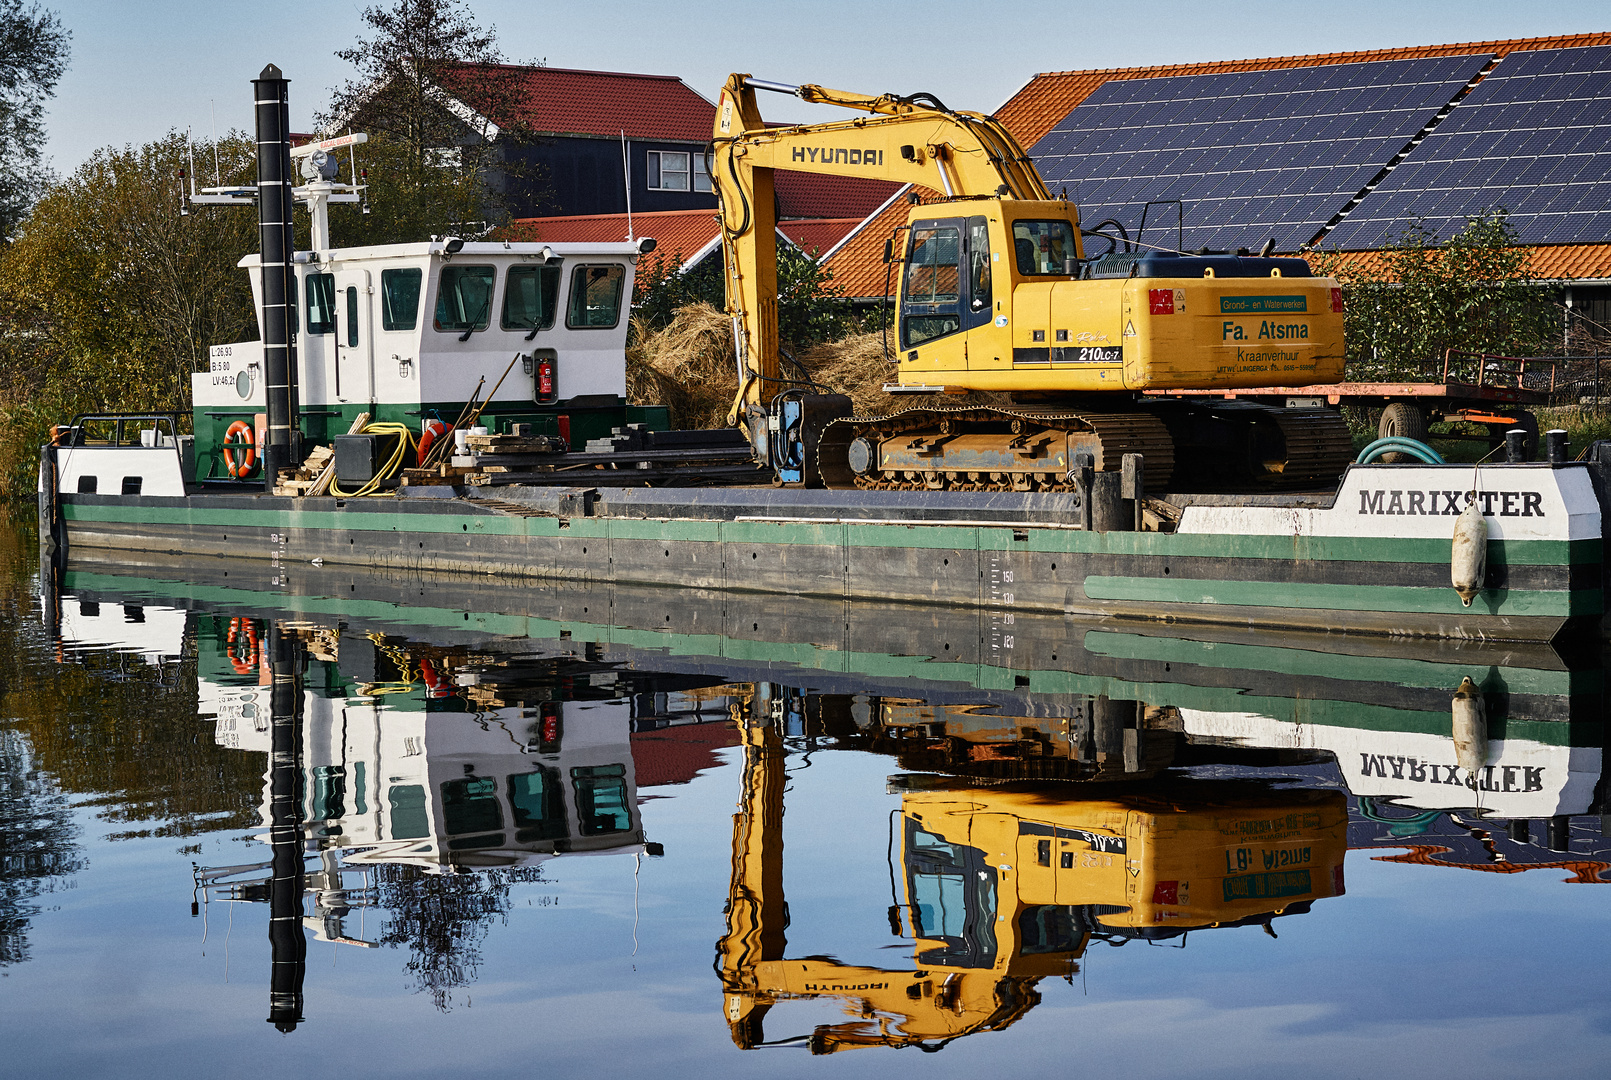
<point>689,366</point>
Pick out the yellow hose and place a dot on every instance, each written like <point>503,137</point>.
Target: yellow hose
<point>393,464</point>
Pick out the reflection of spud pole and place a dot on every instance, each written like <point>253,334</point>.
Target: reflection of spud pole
<point>756,911</point>
<point>1470,728</point>
<point>286,939</point>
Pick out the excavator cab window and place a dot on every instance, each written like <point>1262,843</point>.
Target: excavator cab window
<point>952,891</point>
<point>1044,248</point>
<point>933,288</point>
<point>979,264</point>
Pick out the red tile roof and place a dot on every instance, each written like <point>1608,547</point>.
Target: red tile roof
<point>813,195</point>
<point>562,101</point>
<point>817,236</point>
<point>1552,262</point>
<point>676,755</point>
<point>679,234</point>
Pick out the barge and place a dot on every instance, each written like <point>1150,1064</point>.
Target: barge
<point>368,353</point>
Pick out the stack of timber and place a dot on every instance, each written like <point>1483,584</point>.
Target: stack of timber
<point>312,477</point>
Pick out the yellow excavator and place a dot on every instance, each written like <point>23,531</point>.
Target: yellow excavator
<point>995,291</point>
<point>1004,886</point>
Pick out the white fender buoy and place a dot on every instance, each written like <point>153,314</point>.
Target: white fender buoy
<point>1468,560</point>
<point>1470,727</point>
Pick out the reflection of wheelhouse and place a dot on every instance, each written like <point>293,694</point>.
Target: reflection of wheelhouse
<point>400,765</point>
<point>491,788</point>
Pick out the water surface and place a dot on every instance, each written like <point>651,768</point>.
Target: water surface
<point>378,826</point>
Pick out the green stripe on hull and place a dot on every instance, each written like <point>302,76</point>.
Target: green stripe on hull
<point>1300,548</point>
<point>1376,669</point>
<point>1327,597</point>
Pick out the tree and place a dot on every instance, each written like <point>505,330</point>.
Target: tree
<point>33,56</point>
<point>811,308</point>
<point>430,83</point>
<point>1408,304</point>
<point>109,297</point>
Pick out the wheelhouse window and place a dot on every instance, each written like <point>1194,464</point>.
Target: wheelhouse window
<point>933,283</point>
<point>321,303</point>
<point>669,171</point>
<point>470,805</point>
<point>352,316</point>
<point>464,298</point>
<point>530,295</point>
<point>601,799</point>
<point>409,816</point>
<point>400,298</point>
<point>595,297</point>
<point>1044,248</point>
<point>538,802</point>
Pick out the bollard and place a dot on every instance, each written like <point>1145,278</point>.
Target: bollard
<point>1555,446</point>
<point>1107,503</point>
<point>1515,446</point>
<point>1080,475</point>
<point>1559,829</point>
<point>1131,483</point>
<point>1107,723</point>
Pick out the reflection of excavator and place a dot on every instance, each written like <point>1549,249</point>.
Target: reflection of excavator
<point>1007,885</point>
<point>995,292</point>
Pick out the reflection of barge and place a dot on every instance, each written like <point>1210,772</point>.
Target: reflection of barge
<point>955,690</point>
<point>346,330</point>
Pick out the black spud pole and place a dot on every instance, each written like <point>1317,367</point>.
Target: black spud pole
<point>274,204</point>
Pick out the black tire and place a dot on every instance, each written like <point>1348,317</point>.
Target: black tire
<point>1404,420</point>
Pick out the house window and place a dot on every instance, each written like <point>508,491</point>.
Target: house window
<point>701,174</point>
<point>668,171</point>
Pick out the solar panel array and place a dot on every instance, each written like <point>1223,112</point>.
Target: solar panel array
<point>1252,155</point>
<point>1534,137</point>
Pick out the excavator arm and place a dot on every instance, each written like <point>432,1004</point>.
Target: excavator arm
<point>909,140</point>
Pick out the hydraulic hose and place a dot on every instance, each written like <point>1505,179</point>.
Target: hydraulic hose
<point>405,443</point>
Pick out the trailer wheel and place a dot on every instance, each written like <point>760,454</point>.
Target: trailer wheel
<point>1404,420</point>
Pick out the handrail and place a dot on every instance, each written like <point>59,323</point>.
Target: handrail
<point>1519,371</point>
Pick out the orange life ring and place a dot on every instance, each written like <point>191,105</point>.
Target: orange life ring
<point>243,649</point>
<point>429,433</point>
<point>244,444</point>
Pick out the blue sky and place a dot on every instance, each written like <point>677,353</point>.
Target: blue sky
<point>141,69</point>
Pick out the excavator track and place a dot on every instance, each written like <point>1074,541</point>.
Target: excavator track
<point>1318,448</point>
<point>968,448</point>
